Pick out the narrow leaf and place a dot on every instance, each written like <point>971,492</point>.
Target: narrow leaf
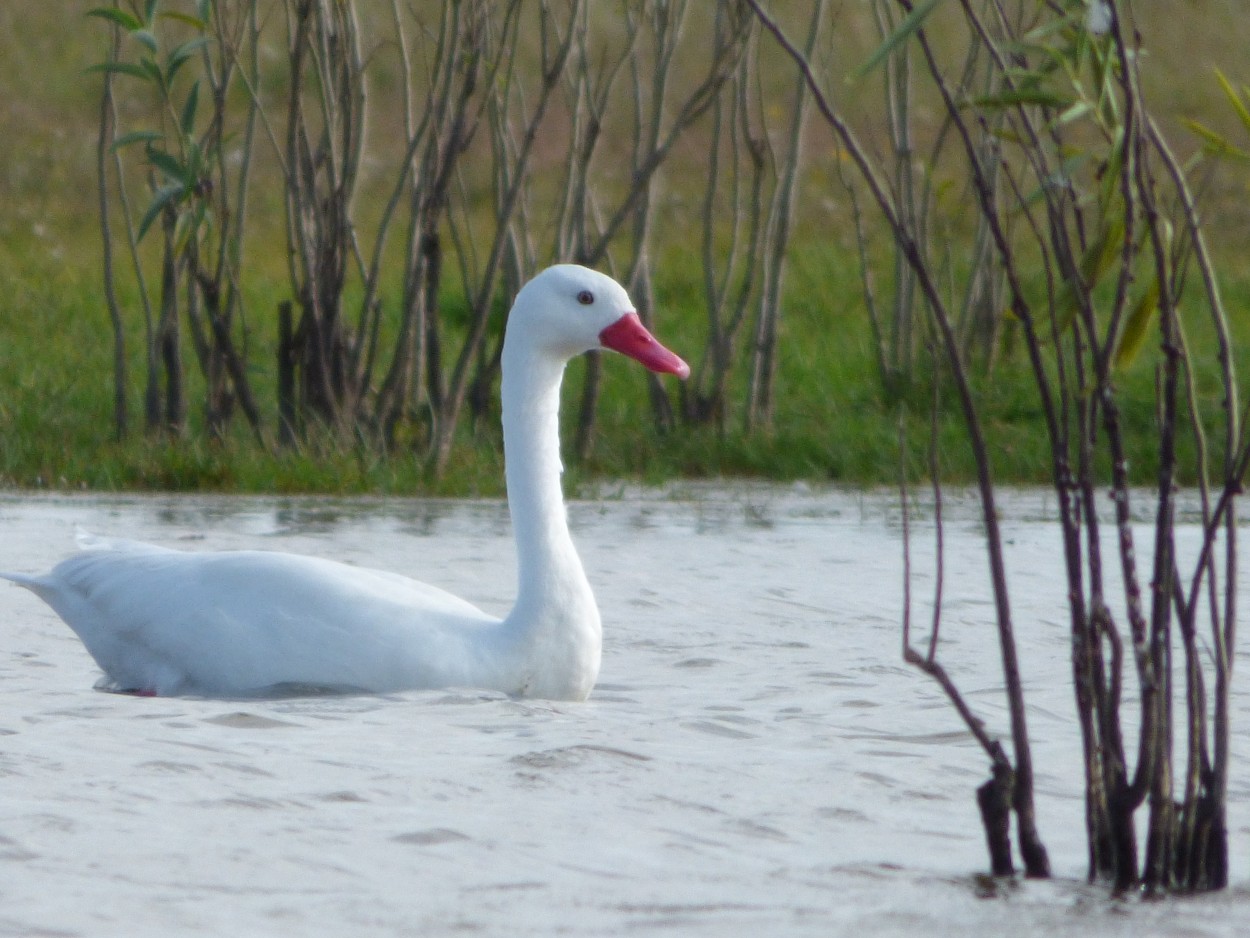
<point>1050,26</point>
<point>189,48</point>
<point>121,68</point>
<point>148,38</point>
<point>123,19</point>
<point>163,197</point>
<point>1133,335</point>
<point>168,165</point>
<point>1112,172</point>
<point>149,12</point>
<point>187,120</point>
<point>189,226</point>
<point>1234,99</point>
<point>1006,133</point>
<point>910,25</point>
<point>1075,112</point>
<point>195,163</point>
<point>1212,138</point>
<point>1099,255</point>
<point>1102,252</point>
<point>1215,144</point>
<point>136,136</point>
<point>1021,96</point>
<point>193,21</point>
<point>182,231</point>
<point>148,217</point>
<point>181,54</point>
<point>153,71</point>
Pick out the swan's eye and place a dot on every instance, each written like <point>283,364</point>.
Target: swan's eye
<point>585,297</point>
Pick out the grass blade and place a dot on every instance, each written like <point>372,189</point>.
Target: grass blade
<point>1234,99</point>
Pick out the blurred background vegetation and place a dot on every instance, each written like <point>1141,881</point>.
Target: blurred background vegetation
<point>800,393</point>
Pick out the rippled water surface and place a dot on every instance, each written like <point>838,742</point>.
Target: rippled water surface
<point>755,760</point>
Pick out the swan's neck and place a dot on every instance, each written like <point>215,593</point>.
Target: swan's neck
<point>555,614</point>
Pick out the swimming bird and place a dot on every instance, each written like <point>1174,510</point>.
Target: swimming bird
<point>243,623</point>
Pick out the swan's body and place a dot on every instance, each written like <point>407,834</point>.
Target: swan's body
<point>237,623</point>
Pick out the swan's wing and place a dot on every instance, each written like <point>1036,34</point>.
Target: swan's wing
<point>88,541</point>
<point>47,583</point>
<point>238,622</point>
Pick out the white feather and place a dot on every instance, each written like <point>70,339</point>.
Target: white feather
<point>247,622</point>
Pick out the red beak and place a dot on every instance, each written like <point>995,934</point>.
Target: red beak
<point>630,337</point>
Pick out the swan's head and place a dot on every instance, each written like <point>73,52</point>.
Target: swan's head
<point>567,310</point>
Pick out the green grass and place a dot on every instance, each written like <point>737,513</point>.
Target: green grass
<point>831,423</point>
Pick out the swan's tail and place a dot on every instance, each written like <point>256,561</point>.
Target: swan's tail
<point>41,584</point>
<point>28,580</point>
<point>86,541</point>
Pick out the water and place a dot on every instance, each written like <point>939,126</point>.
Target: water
<point>755,758</point>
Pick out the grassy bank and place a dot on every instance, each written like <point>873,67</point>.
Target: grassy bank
<point>831,424</point>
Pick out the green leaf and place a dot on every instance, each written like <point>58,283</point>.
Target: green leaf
<point>121,18</point>
<point>1020,97</point>
<point>1102,252</point>
<point>189,225</point>
<point>136,136</point>
<point>182,231</point>
<point>149,12</point>
<point>1212,138</point>
<point>194,22</point>
<point>169,165</point>
<point>195,163</point>
<point>1099,255</point>
<point>162,198</point>
<point>1133,336</point>
<point>1007,134</point>
<point>180,55</point>
<point>909,26</point>
<point>187,119</point>
<point>1112,173</point>
<point>1022,50</point>
<point>1106,67</point>
<point>148,38</point>
<point>121,68</point>
<point>1073,113</point>
<point>1216,145</point>
<point>1234,99</point>
<point>1050,26</point>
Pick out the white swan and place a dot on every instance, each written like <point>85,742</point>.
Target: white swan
<point>240,623</point>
